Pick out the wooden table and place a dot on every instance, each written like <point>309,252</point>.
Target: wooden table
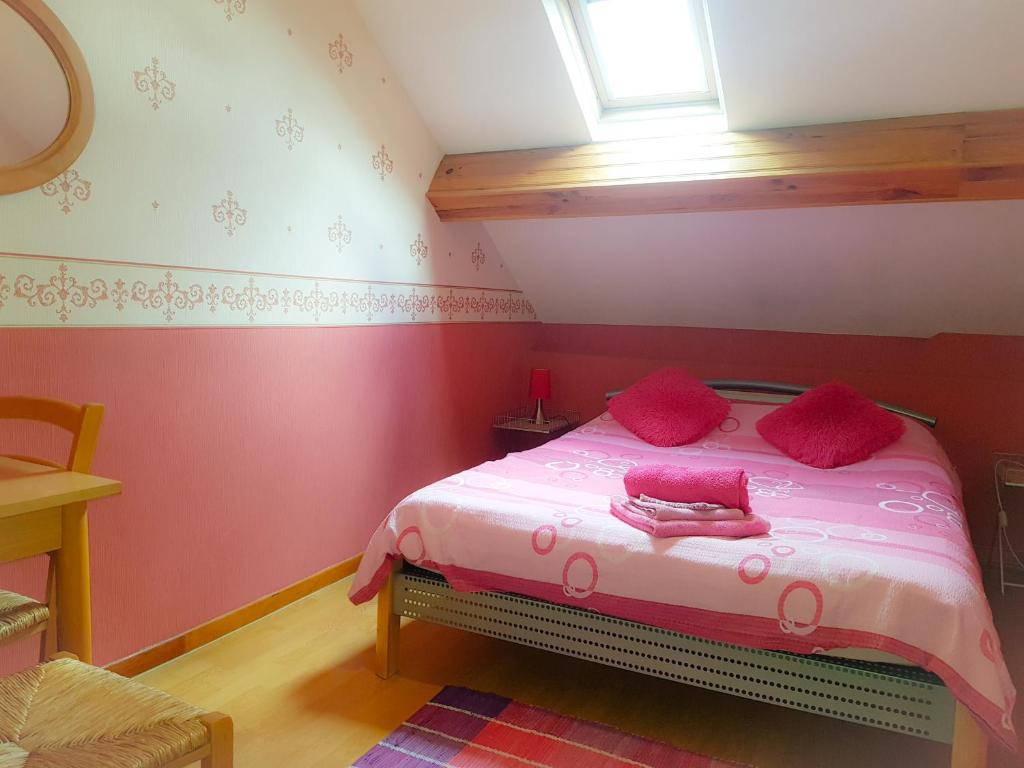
<point>42,509</point>
<point>1014,478</point>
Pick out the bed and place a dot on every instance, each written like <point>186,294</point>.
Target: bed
<point>864,602</point>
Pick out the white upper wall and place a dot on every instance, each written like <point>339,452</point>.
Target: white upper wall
<point>487,74</point>
<point>233,159</point>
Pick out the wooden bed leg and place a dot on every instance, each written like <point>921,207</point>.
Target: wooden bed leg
<point>388,623</point>
<point>970,744</point>
<point>221,731</point>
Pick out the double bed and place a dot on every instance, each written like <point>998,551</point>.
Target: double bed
<point>864,602</point>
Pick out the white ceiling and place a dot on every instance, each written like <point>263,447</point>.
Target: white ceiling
<point>487,75</point>
<point>899,270</point>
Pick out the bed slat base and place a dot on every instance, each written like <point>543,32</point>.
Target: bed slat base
<point>902,699</point>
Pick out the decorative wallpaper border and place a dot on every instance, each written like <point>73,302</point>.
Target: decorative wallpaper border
<point>51,291</point>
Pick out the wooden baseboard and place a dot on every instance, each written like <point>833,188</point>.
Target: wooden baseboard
<point>229,622</point>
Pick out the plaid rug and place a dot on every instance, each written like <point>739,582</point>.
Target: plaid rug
<point>461,728</point>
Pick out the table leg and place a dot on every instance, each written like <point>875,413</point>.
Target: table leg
<point>74,610</point>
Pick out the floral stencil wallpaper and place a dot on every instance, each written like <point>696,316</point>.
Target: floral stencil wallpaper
<point>253,162</point>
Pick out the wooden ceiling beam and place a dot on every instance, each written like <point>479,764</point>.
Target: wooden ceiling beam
<point>961,156</point>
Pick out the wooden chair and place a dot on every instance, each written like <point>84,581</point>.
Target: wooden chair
<point>21,616</point>
<point>66,713</point>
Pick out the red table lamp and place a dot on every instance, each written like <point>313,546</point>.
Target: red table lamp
<point>540,390</point>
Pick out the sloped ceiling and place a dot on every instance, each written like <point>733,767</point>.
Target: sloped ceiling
<point>484,74</point>
<point>799,62</point>
<point>899,270</point>
<point>488,76</point>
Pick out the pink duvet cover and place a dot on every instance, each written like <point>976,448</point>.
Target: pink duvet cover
<point>873,555</point>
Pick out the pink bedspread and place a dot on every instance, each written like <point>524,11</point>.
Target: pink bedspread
<point>874,555</point>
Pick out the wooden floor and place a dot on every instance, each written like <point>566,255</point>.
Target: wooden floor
<point>301,689</point>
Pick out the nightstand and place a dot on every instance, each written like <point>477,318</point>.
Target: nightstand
<point>517,430</point>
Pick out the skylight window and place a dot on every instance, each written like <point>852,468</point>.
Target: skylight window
<point>646,53</point>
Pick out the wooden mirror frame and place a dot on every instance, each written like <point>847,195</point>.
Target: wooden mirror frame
<point>65,149</point>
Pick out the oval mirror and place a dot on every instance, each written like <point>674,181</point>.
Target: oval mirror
<point>46,102</point>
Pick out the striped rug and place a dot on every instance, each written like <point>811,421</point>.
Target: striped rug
<point>461,728</point>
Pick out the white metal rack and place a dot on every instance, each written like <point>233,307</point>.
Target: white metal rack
<point>1009,478</point>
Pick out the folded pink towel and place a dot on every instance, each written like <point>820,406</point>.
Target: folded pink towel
<point>748,525</point>
<point>716,485</point>
<point>678,510</point>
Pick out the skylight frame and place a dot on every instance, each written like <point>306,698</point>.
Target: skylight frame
<point>627,107</point>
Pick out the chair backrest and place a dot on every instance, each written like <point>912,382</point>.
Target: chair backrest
<point>82,421</point>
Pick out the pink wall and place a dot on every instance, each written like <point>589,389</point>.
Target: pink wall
<point>973,384</point>
<point>252,458</point>
<point>255,457</point>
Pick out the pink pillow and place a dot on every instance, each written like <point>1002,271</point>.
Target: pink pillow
<point>669,407</point>
<point>831,426</point>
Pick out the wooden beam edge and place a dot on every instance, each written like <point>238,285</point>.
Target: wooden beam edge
<point>911,186</point>
<point>440,196</point>
<point>985,161</point>
<point>214,629</point>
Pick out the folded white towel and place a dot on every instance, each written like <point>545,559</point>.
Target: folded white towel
<point>658,509</point>
<point>695,506</point>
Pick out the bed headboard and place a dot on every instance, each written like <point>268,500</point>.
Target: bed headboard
<point>774,392</point>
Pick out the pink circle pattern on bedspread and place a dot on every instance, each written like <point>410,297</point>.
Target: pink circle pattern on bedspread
<point>756,576</point>
<point>410,545</point>
<point>571,581</point>
<point>548,532</point>
<point>729,424</point>
<point>792,626</point>
<point>988,646</point>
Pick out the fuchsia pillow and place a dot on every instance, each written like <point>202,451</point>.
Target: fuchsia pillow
<point>669,407</point>
<point>831,426</point>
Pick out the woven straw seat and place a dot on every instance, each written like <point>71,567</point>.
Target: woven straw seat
<point>20,615</point>
<point>65,714</point>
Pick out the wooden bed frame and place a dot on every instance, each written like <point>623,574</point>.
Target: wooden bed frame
<point>888,696</point>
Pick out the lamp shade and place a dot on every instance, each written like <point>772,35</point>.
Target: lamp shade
<point>540,384</point>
